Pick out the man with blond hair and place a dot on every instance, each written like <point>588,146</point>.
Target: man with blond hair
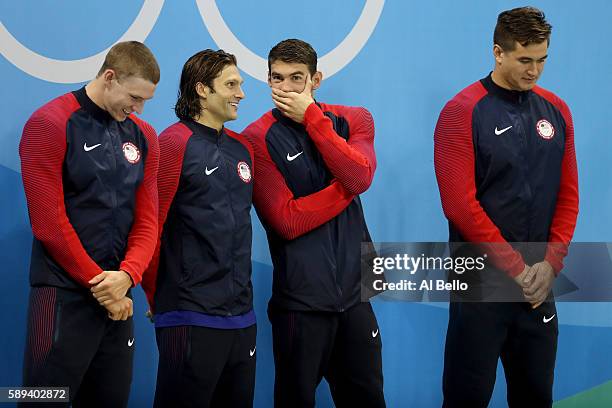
<point>89,169</point>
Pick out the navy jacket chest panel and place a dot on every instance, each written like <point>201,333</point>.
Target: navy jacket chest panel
<point>210,179</point>
<point>95,158</point>
<point>305,173</point>
<point>100,183</point>
<point>507,143</point>
<point>205,259</point>
<point>517,169</point>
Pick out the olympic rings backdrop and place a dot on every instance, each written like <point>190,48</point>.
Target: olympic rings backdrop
<point>402,60</point>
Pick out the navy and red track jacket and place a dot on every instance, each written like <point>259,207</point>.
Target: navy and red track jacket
<point>322,165</point>
<point>203,259</point>
<point>506,168</point>
<point>90,185</point>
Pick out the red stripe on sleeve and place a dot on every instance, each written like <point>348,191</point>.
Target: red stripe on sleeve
<point>352,162</point>
<point>172,144</point>
<point>143,235</point>
<point>42,150</point>
<point>566,210</point>
<point>288,216</point>
<point>454,165</point>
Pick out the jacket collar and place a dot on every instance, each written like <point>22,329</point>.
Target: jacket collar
<point>206,132</point>
<point>89,105</point>
<point>507,94</point>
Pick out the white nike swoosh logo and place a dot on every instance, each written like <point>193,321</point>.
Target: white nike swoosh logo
<point>252,352</point>
<point>89,148</point>
<point>292,158</point>
<point>545,320</point>
<point>499,132</point>
<point>211,171</point>
<point>374,333</point>
<point>130,342</point>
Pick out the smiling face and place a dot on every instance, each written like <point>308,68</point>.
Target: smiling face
<point>123,96</point>
<point>519,69</point>
<point>220,104</point>
<point>291,77</point>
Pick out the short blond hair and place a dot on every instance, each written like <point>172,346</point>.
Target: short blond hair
<point>131,58</point>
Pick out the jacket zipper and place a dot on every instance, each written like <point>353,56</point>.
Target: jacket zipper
<point>113,191</point>
<point>232,216</point>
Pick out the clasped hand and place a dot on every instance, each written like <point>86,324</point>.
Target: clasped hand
<point>109,288</point>
<point>536,282</point>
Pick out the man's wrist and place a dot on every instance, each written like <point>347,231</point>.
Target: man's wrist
<point>130,281</point>
<point>311,110</point>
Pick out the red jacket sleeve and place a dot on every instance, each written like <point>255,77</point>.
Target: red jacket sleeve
<point>42,150</point>
<point>566,210</point>
<point>288,216</point>
<point>142,237</point>
<point>454,164</point>
<point>172,143</point>
<point>352,162</point>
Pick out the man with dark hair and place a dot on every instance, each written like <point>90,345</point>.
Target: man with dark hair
<point>321,157</point>
<point>89,170</point>
<point>199,282</point>
<point>506,169</point>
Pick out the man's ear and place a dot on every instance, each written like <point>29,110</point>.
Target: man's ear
<point>498,53</point>
<point>317,78</point>
<point>108,75</point>
<point>202,90</point>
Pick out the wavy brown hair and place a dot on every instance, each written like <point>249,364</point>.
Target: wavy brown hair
<point>203,67</point>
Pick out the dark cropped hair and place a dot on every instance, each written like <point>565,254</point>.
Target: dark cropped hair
<point>525,25</point>
<point>202,67</point>
<point>294,51</point>
<point>131,58</point>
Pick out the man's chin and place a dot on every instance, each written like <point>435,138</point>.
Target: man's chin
<point>120,117</point>
<point>528,85</point>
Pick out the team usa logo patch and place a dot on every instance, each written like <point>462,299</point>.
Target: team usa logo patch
<point>244,171</point>
<point>131,152</point>
<point>545,129</point>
